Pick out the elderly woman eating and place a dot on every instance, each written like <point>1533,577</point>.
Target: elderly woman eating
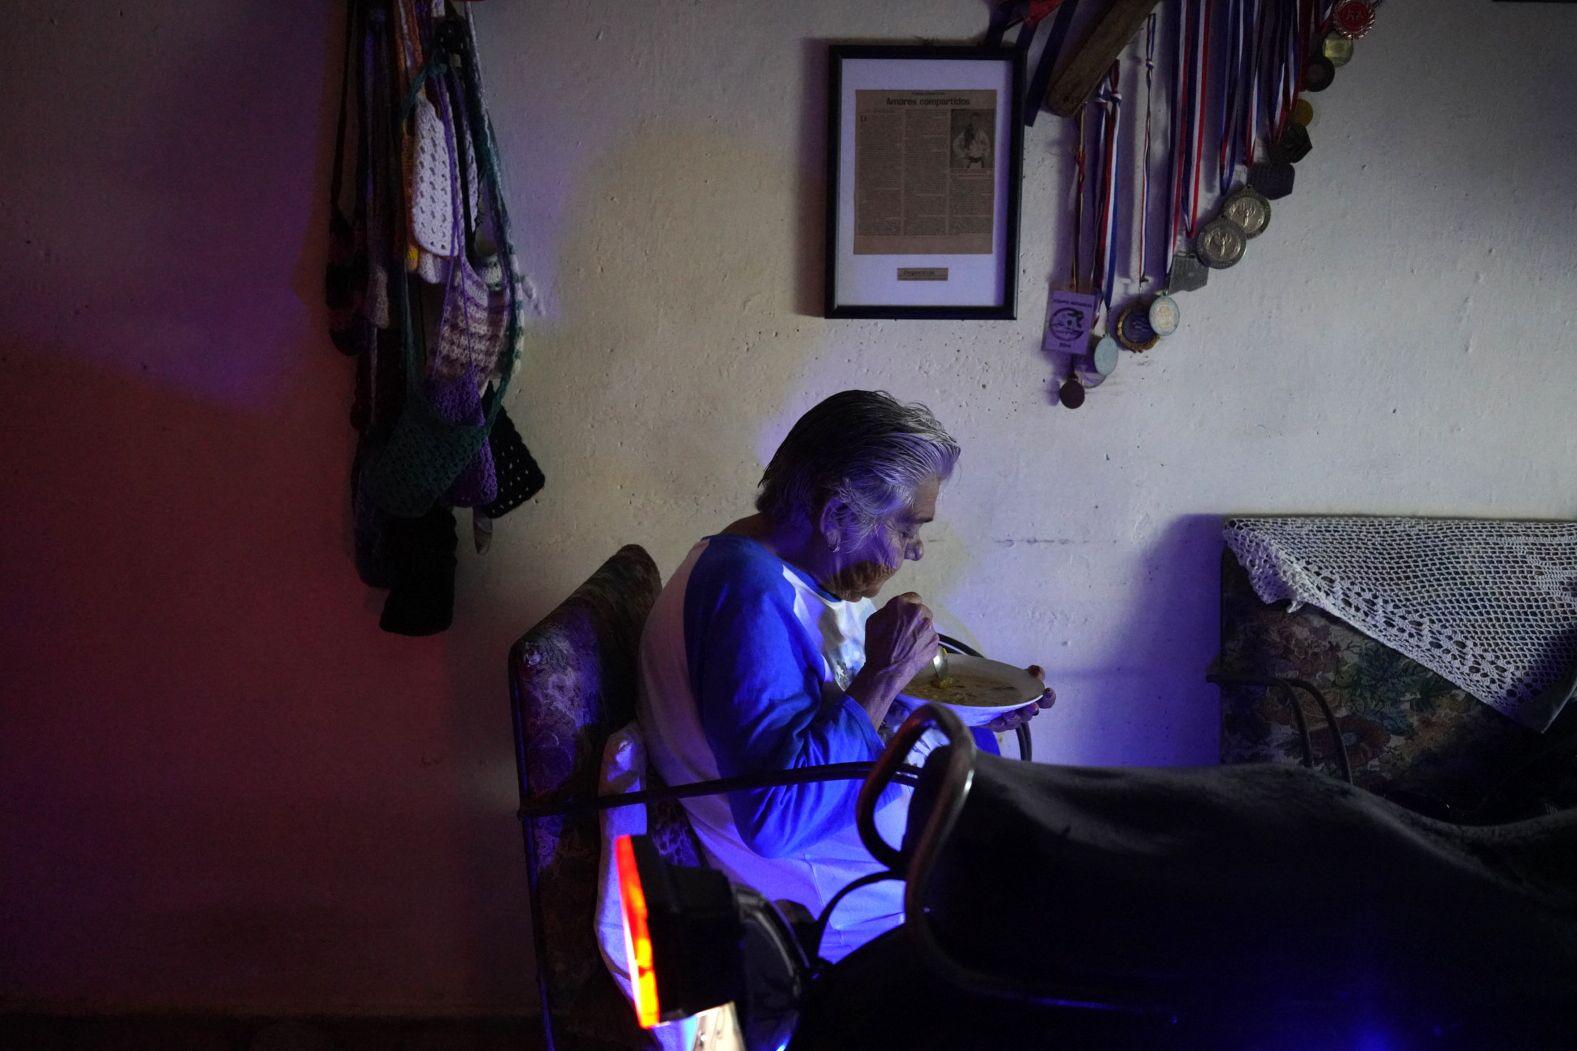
<point>765,652</point>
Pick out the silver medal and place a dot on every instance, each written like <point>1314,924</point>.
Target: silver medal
<point>1249,210</point>
<point>1221,243</point>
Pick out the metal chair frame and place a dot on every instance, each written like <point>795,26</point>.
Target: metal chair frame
<point>564,805</point>
<point>1285,689</point>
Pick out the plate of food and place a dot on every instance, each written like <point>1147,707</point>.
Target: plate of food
<point>975,688</point>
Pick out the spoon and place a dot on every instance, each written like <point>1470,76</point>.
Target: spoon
<point>939,666</point>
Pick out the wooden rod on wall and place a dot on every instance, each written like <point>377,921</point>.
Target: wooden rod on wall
<point>1071,87</point>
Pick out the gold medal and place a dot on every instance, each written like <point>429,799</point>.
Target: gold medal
<point>1133,329</point>
<point>1302,112</point>
<point>1338,49</point>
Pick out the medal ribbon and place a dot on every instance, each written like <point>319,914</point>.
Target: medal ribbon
<point>1270,86</point>
<point>1201,93</point>
<point>1105,255</point>
<point>1193,61</point>
<point>1251,69</point>
<point>1226,113</point>
<point>1144,193</point>
<point>1076,262</point>
<point>1290,76</point>
<point>1179,132</point>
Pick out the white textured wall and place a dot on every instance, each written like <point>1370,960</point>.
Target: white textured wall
<point>224,788</point>
<point>1394,343</point>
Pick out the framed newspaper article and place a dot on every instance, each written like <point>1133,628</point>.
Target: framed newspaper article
<point>924,148</point>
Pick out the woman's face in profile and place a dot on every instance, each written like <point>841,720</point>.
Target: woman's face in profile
<point>862,568</point>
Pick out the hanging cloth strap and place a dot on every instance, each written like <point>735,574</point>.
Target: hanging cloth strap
<point>1048,59</point>
<point>344,276</point>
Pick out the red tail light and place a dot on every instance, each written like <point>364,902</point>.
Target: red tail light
<point>637,934</point>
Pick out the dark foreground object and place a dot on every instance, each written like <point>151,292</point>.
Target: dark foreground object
<point>881,996</point>
<point>1251,906</point>
<point>172,1032</point>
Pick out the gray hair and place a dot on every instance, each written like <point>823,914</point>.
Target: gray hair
<point>863,447</point>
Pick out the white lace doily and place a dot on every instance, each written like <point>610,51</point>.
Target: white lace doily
<point>1489,605</point>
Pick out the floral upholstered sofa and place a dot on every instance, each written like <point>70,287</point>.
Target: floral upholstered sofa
<point>1410,734</point>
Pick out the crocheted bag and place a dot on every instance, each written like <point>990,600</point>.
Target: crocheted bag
<point>432,182</point>
<point>476,314</point>
<point>455,385</point>
<point>519,477</point>
<point>426,453</point>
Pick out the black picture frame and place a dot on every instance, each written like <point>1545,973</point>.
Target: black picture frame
<point>841,266</point>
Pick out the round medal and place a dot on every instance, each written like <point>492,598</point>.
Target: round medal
<point>1105,356</point>
<point>1353,18</point>
<point>1248,210</point>
<point>1164,315</point>
<point>1319,74</point>
<point>1071,393</point>
<point>1272,179</point>
<point>1087,375</point>
<point>1221,243</point>
<point>1337,48</point>
<point>1293,146</point>
<point>1134,330</point>
<point>1302,112</point>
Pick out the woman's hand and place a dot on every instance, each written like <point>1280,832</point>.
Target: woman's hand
<point>900,637</point>
<point>900,641</point>
<point>1010,721</point>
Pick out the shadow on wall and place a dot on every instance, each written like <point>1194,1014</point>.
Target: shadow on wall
<point>200,718</point>
<point>674,347</point>
<point>1141,699</point>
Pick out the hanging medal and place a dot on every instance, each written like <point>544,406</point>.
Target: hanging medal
<point>1247,210</point>
<point>1071,312</point>
<point>1164,316</point>
<point>1319,74</point>
<point>1353,18</point>
<point>1337,49</point>
<point>1091,365</point>
<point>1103,357</point>
<point>1133,328</point>
<point>1221,243</point>
<point>1275,177</point>
<point>1187,273</point>
<point>1232,95</point>
<point>1294,144</point>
